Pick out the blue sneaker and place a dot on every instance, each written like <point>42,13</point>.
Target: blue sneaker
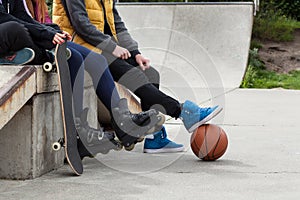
<point>194,116</point>
<point>20,57</point>
<point>161,144</point>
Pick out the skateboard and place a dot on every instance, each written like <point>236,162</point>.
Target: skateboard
<point>69,141</point>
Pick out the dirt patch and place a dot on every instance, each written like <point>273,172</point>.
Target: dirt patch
<point>281,57</point>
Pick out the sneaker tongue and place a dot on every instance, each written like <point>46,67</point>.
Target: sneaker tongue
<point>163,133</point>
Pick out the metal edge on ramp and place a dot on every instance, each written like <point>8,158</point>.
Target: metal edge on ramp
<point>16,92</point>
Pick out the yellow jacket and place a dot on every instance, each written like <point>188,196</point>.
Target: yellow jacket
<point>85,20</point>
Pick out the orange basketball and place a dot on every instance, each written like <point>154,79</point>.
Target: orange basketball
<point>209,142</point>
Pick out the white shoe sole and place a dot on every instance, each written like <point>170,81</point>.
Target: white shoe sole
<point>164,150</point>
<point>206,119</point>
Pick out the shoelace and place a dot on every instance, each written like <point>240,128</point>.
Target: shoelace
<point>206,109</point>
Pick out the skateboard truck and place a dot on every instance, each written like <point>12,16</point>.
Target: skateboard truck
<point>48,66</point>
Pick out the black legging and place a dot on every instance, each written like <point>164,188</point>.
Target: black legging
<point>14,36</point>
<point>145,84</point>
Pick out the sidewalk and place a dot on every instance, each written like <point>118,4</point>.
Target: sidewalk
<point>262,161</point>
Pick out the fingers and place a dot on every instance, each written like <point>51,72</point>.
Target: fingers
<point>121,52</point>
<point>126,55</point>
<point>143,67</point>
<point>144,63</point>
<point>69,37</point>
<point>59,38</point>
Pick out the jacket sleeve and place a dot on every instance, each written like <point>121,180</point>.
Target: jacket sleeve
<point>37,30</point>
<point>85,29</point>
<point>124,38</point>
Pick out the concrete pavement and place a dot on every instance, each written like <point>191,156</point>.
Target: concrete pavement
<point>261,162</point>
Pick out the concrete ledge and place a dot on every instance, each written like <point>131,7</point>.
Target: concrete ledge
<point>16,92</point>
<point>31,121</point>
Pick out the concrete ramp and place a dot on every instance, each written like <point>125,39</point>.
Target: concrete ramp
<point>17,86</point>
<point>200,49</point>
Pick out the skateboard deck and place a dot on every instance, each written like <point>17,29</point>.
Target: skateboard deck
<point>70,132</point>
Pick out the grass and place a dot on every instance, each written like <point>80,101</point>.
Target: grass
<point>261,78</point>
<point>257,76</point>
<point>274,26</point>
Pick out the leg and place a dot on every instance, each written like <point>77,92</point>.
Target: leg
<point>137,81</point>
<point>158,142</point>
<point>96,66</point>
<point>14,36</point>
<point>145,85</point>
<point>89,143</point>
<point>76,67</point>
<point>122,120</point>
<point>127,74</point>
<point>152,74</point>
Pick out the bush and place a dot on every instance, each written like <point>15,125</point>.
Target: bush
<point>49,4</point>
<point>289,8</point>
<point>274,26</point>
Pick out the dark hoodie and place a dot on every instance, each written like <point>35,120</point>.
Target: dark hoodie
<point>14,10</point>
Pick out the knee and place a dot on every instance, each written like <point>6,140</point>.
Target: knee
<point>75,60</point>
<point>101,60</point>
<point>11,29</point>
<point>16,29</point>
<point>76,55</point>
<point>153,75</point>
<point>134,79</point>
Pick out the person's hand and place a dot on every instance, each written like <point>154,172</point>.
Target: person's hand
<point>68,36</point>
<point>144,63</point>
<point>121,52</point>
<point>59,38</point>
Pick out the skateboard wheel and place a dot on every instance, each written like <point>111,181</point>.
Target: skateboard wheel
<point>130,147</point>
<point>56,146</point>
<point>47,67</point>
<point>119,147</point>
<point>141,139</point>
